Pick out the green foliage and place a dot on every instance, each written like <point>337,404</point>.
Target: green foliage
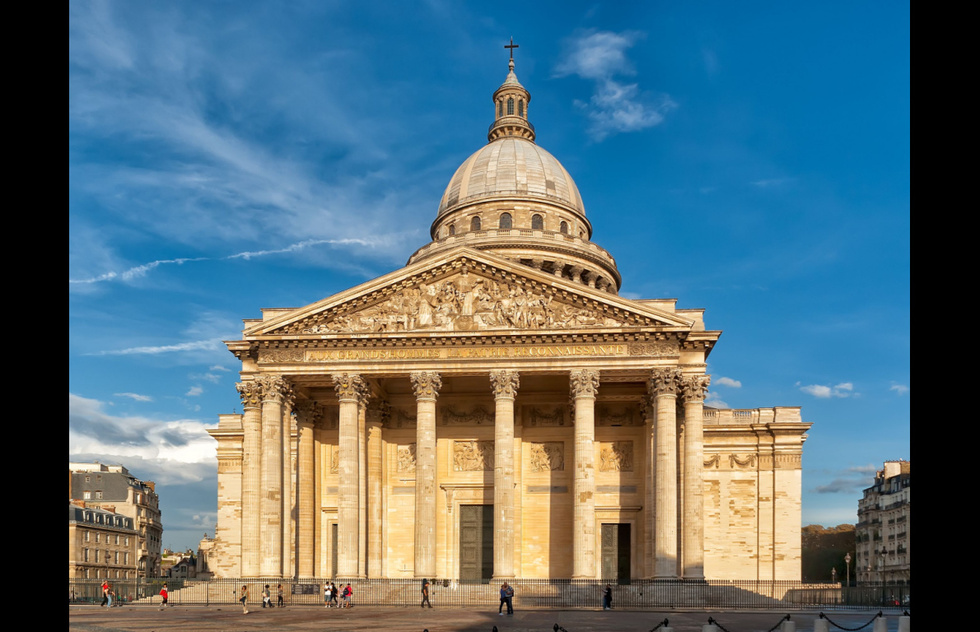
<point>824,549</point>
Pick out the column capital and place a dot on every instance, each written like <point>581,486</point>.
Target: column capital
<point>350,387</point>
<point>695,387</point>
<point>251,394</point>
<point>664,381</point>
<point>308,412</point>
<point>426,384</point>
<point>505,383</point>
<point>275,388</point>
<point>378,412</point>
<point>584,383</point>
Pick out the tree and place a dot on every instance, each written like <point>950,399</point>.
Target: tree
<point>824,549</point>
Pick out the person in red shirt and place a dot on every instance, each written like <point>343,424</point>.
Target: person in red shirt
<point>163,593</point>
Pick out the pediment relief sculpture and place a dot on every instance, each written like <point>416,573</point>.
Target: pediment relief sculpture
<point>465,302</point>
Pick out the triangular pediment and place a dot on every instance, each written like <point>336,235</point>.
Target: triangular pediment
<point>461,291</point>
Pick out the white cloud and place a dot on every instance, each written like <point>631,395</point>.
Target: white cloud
<point>773,182</point>
<point>195,345</point>
<point>715,401</point>
<point>615,106</point>
<point>900,389</point>
<point>178,450</point>
<point>135,396</point>
<point>844,389</point>
<point>727,381</point>
<point>194,391</point>
<point>218,367</point>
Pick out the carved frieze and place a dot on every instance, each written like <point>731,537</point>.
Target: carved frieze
<point>401,418</point>
<point>713,462</point>
<point>473,456</point>
<point>406,458</point>
<point>654,348</point>
<point>535,416</point>
<point>618,415</point>
<point>465,302</point>
<point>616,456</point>
<point>735,460</point>
<point>280,355</point>
<point>547,456</point>
<point>476,416</point>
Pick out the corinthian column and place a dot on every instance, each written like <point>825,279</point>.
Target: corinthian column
<point>663,388</point>
<point>307,415</point>
<point>251,394</point>
<point>584,385</point>
<point>505,385</point>
<point>376,415</point>
<point>350,390</point>
<point>692,543</point>
<point>288,486</point>
<point>274,389</point>
<point>426,386</point>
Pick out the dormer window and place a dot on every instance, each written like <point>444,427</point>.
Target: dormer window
<point>506,221</point>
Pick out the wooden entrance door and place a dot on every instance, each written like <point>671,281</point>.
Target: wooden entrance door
<point>476,542</point>
<point>616,552</point>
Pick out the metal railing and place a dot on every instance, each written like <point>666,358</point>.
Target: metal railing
<point>528,593</point>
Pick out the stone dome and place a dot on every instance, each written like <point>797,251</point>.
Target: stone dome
<point>511,168</point>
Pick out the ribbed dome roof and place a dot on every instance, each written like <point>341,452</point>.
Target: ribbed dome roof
<point>511,167</point>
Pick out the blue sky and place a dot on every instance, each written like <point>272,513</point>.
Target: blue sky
<point>752,159</point>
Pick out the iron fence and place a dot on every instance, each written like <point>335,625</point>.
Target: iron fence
<point>528,593</point>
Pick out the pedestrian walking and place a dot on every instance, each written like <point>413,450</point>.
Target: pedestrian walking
<point>266,597</point>
<point>425,593</point>
<point>348,597</point>
<point>327,595</point>
<point>280,602</point>
<point>105,593</point>
<point>163,595</point>
<point>607,598</point>
<point>244,599</point>
<point>335,595</point>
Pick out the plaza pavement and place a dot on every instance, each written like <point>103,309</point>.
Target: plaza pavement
<point>193,618</point>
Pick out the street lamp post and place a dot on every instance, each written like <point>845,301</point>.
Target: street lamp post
<point>847,560</point>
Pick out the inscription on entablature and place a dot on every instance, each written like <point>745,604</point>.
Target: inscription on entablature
<point>546,416</point>
<point>616,456</point>
<point>654,348</point>
<point>547,489</point>
<point>473,456</point>
<point>406,458</point>
<point>476,416</point>
<point>618,415</point>
<point>547,456</point>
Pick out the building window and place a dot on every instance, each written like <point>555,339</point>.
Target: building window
<point>506,221</point>
<point>98,494</point>
<point>520,107</point>
<point>537,222</point>
<point>510,106</point>
<point>500,108</point>
<point>125,558</point>
<point>87,534</point>
<point>85,555</point>
<point>452,229</point>
<point>475,223</point>
<point>97,537</point>
<point>96,556</point>
<point>86,495</point>
<point>564,227</point>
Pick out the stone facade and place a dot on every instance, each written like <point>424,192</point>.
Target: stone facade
<point>496,409</point>
<point>113,488</point>
<point>884,529</point>
<point>101,544</point>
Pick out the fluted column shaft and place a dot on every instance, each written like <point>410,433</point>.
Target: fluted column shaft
<point>350,390</point>
<point>375,457</point>
<point>505,384</point>
<point>649,489</point>
<point>664,385</point>
<point>692,542</point>
<point>274,388</point>
<point>362,488</point>
<point>288,487</point>
<point>584,386</point>
<point>306,480</point>
<point>251,394</point>
<point>426,386</point>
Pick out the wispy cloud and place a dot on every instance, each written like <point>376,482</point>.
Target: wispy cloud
<point>773,182</point>
<point>715,401</point>
<point>135,396</point>
<point>727,381</point>
<point>615,106</point>
<point>900,389</point>
<point>844,389</point>
<point>194,345</point>
<point>848,481</point>
<point>194,391</point>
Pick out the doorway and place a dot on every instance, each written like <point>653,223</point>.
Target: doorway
<point>616,553</point>
<point>476,542</point>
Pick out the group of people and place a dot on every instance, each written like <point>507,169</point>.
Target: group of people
<point>331,594</point>
<point>107,594</point>
<point>267,597</point>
